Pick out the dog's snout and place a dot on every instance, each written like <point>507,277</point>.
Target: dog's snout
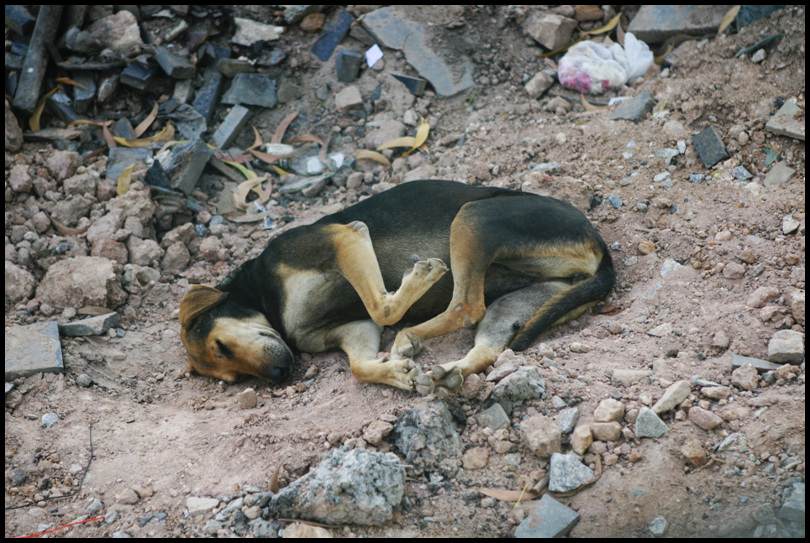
<point>278,374</point>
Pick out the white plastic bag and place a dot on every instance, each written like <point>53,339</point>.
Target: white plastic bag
<point>591,68</point>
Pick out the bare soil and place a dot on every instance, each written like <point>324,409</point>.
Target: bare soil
<point>170,436</point>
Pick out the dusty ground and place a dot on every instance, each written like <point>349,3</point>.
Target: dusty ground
<point>169,436</point>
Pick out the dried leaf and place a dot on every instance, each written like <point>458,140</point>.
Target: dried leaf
<point>147,122</point>
<point>69,81</point>
<point>506,495</point>
<point>265,157</point>
<point>306,137</point>
<point>124,180</point>
<point>728,18</point>
<point>371,155</point>
<point>404,141</point>
<point>247,173</point>
<point>108,137</point>
<point>255,185</point>
<point>280,171</point>
<point>66,230</point>
<point>272,485</point>
<point>589,106</point>
<point>278,135</point>
<point>421,135</point>
<point>167,134</point>
<point>608,27</point>
<point>257,139</point>
<point>33,122</point>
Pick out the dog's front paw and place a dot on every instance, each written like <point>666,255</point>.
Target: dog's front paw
<point>439,381</point>
<point>403,372</point>
<point>429,271</point>
<point>407,345</point>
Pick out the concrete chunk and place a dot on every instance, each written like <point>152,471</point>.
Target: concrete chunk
<point>549,519</point>
<point>32,349</point>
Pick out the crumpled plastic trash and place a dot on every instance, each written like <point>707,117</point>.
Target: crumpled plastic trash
<point>592,68</point>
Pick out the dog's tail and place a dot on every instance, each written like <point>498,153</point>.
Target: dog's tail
<point>578,296</point>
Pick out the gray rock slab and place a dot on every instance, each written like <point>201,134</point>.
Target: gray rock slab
<point>738,360</point>
<point>549,519</point>
<point>780,173</point>
<point>33,348</point>
<point>788,121</point>
<point>709,146</point>
<point>635,109</point>
<point>252,90</point>
<point>448,72</point>
<point>94,326</point>
<point>656,23</point>
<point>427,437</point>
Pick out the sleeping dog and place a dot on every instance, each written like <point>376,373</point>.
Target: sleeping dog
<point>441,254</point>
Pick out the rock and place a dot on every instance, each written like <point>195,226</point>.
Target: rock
<point>145,252</point>
<point>635,109</point>
<point>673,396</point>
<point>62,164</point>
<point>14,134</point>
<point>549,519</point>
<point>111,250</point>
<point>779,173</point>
<point>19,179</point>
<point>762,296</point>
<point>745,377</point>
<point>247,399</point>
<point>93,326</point>
<point>348,98</point>
<point>49,419</point>
<point>33,348</point>
<point>541,435</point>
<point>427,437</point>
<point>786,346</point>
<point>199,506</point>
<point>538,85</point>
<point>623,377</point>
<point>80,281</point>
<point>20,284</point>
<point>581,439</point>
<point>606,431</point>
<point>608,410</point>
<point>709,146</point>
<point>525,384</point>
<point>550,30</point>
<point>694,453</point>
<point>348,487</point>
<point>385,132</point>
<point>493,417</point>
<point>567,473</point>
<point>793,506</point>
<point>704,419</point>
<point>376,431</point>
<point>648,424</point>
<point>475,458</point>
<point>136,202</point>
<point>794,298</point>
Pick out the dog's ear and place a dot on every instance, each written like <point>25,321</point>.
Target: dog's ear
<point>199,298</point>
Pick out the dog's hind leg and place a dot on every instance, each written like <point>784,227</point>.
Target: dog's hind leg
<point>357,262</point>
<point>360,340</point>
<point>504,319</point>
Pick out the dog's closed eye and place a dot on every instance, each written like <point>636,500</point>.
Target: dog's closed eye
<point>224,349</point>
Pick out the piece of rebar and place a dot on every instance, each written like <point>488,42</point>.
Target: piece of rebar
<point>36,60</point>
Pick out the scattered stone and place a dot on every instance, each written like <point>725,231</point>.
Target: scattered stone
<point>348,98</point>
<point>786,346</point>
<point>635,109</point>
<point>348,487</point>
<point>549,519</point>
<point>230,127</point>
<point>793,506</point>
<point>789,224</point>
<point>49,419</point>
<point>606,431</point>
<point>717,392</point>
<point>608,410</point>
<point>646,246</point>
<point>579,347</point>
<point>745,377</point>
<point>415,85</point>
<point>376,431</point>
<point>721,340</point>
<point>20,284</point>
<point>626,378</point>
<point>658,526</point>
<point>550,30</point>
<point>581,439</point>
<point>694,453</point>
<point>795,300</point>
<point>198,506</point>
<point>738,361</point>
<point>525,384</point>
<point>84,380</point>
<point>252,90</point>
<point>704,419</point>
<point>733,270</point>
<point>449,73</point>
<point>348,65</point>
<point>33,348</point>
<point>475,458</point>
<point>762,296</point>
<point>567,473</point>
<point>541,435</point>
<point>247,399</point>
<point>93,326</point>
<point>657,23</point>
<point>332,35</point>
<point>427,437</point>
<point>249,32</point>
<point>538,85</point>
<point>493,417</point>
<point>567,419</point>
<point>673,396</point>
<point>661,330</point>
<point>82,281</point>
<point>779,173</point>
<point>648,424</point>
<point>788,121</point>
<point>709,146</point>
<point>741,173</point>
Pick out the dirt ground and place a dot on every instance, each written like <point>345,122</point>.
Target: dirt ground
<point>169,436</point>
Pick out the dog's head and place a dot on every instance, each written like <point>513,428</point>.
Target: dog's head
<point>226,340</point>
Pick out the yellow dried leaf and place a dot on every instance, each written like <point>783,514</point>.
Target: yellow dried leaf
<point>280,171</point>
<point>69,81</point>
<point>404,141</point>
<point>257,139</point>
<point>33,122</point>
<point>124,180</point>
<point>255,185</point>
<point>278,135</point>
<point>247,173</point>
<point>506,495</point>
<point>306,137</point>
<point>372,155</point>
<point>728,18</point>
<point>421,135</point>
<point>167,134</point>
<point>608,27</point>
<point>147,122</point>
